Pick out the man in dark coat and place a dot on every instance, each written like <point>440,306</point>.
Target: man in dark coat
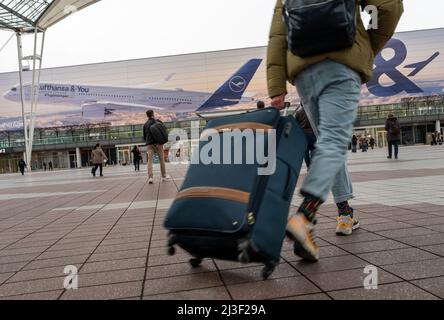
<point>393,129</point>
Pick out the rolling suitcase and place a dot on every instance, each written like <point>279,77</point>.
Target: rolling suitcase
<point>230,212</point>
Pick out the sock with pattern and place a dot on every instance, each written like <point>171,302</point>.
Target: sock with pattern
<point>344,209</point>
<point>309,208</point>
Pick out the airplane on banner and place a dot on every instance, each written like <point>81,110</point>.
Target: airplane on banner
<point>98,101</point>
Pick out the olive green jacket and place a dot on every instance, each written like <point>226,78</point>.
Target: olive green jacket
<point>282,65</point>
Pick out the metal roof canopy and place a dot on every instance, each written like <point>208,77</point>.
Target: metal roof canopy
<point>34,17</point>
<point>29,15</point>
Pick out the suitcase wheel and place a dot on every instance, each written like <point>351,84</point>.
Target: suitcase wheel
<point>244,257</point>
<point>171,251</point>
<point>195,262</point>
<point>267,271</point>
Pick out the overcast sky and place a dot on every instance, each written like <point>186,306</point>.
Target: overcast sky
<point>118,30</point>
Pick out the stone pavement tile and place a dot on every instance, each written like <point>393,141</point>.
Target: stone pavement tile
<point>48,295</point>
<point>330,264</point>
<point>424,240</point>
<point>180,269</point>
<point>394,291</point>
<point>439,228</point>
<point>166,259</point>
<point>373,220</point>
<point>5,276</point>
<point>316,297</point>
<point>110,265</point>
<point>49,254</point>
<point>435,249</point>
<point>386,226</point>
<point>324,252</point>
<point>105,292</point>
<point>34,286</point>
<point>433,285</point>
<point>10,252</point>
<point>358,236</point>
<point>111,277</point>
<point>401,233</point>
<point>44,273</point>
<point>29,244</point>
<point>412,217</point>
<point>425,207</point>
<point>275,288</point>
<point>121,247</point>
<point>118,255</point>
<point>372,246</point>
<point>338,280</point>
<point>251,274</point>
<point>54,262</point>
<point>162,250</point>
<point>126,238</point>
<point>216,293</point>
<point>418,269</point>
<point>397,256</point>
<point>428,222</point>
<point>182,283</point>
<point>18,258</point>
<point>11,267</point>
<point>228,265</point>
<point>331,225</point>
<point>74,246</point>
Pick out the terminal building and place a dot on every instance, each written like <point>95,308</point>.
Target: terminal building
<point>82,105</point>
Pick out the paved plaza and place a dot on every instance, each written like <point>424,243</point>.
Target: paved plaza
<point>110,228</point>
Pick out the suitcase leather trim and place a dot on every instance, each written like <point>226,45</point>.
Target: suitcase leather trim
<point>215,192</point>
<point>239,126</point>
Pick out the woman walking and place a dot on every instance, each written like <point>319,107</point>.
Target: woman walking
<point>98,158</point>
<point>136,158</point>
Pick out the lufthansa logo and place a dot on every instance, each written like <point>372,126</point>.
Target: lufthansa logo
<point>237,84</point>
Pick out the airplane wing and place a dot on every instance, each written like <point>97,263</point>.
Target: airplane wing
<point>419,66</point>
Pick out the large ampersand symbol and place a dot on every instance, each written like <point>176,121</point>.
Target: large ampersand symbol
<point>388,67</point>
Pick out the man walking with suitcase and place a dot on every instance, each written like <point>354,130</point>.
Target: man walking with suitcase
<point>154,133</point>
<point>327,70</point>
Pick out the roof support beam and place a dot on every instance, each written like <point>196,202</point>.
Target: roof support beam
<point>18,15</point>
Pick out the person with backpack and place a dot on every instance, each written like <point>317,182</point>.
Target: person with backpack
<point>136,158</point>
<point>22,166</point>
<point>98,159</point>
<point>328,69</point>
<point>372,143</point>
<point>393,129</point>
<point>155,135</point>
<point>354,143</point>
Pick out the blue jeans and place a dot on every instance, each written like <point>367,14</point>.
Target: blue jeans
<point>330,94</point>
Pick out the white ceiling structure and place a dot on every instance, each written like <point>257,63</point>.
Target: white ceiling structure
<point>28,15</point>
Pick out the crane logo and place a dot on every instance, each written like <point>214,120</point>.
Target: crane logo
<point>237,84</point>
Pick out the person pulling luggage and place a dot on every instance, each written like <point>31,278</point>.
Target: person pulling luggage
<point>328,70</point>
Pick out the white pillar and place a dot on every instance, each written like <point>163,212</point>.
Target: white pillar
<point>27,157</point>
<point>79,158</point>
<point>438,126</point>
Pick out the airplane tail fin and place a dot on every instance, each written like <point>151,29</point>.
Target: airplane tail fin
<point>232,90</point>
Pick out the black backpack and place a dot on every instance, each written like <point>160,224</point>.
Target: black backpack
<point>159,132</point>
<point>395,128</point>
<point>320,26</point>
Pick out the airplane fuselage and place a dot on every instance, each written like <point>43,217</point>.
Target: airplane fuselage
<point>167,100</point>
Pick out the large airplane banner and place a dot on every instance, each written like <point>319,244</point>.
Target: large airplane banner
<point>179,87</point>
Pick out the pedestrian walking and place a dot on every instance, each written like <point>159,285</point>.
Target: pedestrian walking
<point>393,129</point>
<point>137,156</point>
<point>98,159</point>
<point>328,69</point>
